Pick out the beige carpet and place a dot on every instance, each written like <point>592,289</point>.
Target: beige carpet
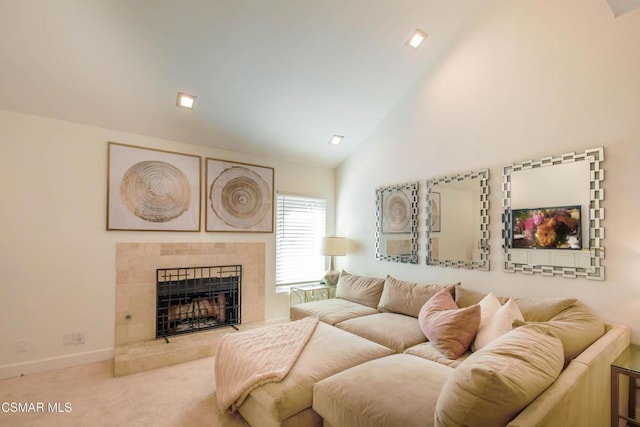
<point>179,395</point>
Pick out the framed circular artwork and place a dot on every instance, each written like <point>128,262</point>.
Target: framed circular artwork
<point>152,190</point>
<point>239,197</point>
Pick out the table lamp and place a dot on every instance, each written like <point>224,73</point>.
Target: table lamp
<point>332,246</point>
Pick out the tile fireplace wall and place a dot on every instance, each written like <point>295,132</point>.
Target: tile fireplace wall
<point>136,265</point>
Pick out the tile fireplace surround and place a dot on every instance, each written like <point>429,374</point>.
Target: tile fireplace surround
<point>137,349</point>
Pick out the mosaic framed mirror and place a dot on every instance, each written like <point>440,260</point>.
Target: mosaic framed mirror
<point>397,223</point>
<point>552,215</point>
<point>457,220</point>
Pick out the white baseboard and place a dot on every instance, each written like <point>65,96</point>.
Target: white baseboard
<point>43,365</point>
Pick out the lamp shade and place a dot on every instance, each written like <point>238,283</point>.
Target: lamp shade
<point>330,246</point>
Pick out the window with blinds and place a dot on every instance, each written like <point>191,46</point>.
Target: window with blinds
<point>300,226</point>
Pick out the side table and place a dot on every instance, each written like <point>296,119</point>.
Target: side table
<point>628,363</point>
<point>313,292</point>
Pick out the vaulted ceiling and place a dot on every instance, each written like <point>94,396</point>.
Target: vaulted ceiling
<point>275,78</point>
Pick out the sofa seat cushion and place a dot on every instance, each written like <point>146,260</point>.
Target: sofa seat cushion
<point>428,351</point>
<point>330,311</point>
<point>399,390</point>
<point>407,298</point>
<point>395,331</point>
<point>494,384</point>
<point>361,289</point>
<point>328,351</point>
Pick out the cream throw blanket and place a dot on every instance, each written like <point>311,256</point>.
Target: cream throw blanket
<point>248,359</point>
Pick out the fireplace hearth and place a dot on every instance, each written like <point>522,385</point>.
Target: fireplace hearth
<point>193,299</point>
<point>137,346</point>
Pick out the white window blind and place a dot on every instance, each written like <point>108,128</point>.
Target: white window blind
<point>300,226</point>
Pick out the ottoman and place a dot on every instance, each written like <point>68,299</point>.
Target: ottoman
<point>405,389</point>
<point>288,403</point>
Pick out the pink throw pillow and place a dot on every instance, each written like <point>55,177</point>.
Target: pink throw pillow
<point>449,328</point>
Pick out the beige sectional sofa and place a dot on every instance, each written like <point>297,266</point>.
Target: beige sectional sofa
<point>370,363</point>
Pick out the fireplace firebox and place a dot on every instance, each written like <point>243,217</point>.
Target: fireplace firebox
<point>193,299</point>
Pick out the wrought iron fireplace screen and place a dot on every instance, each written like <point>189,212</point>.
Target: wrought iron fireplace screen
<point>197,298</point>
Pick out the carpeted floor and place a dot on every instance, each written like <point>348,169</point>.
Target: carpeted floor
<point>179,395</point>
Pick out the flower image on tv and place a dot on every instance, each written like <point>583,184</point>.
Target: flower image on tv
<point>547,228</point>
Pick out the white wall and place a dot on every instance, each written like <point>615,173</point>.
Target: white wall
<point>57,261</point>
<point>529,79</point>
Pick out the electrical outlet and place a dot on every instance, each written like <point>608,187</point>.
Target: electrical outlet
<point>22,346</point>
<point>78,337</point>
<point>73,338</point>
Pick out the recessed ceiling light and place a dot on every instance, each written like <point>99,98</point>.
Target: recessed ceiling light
<point>336,139</point>
<point>185,100</point>
<point>416,38</point>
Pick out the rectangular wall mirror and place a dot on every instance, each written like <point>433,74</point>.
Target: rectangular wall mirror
<point>397,223</point>
<point>458,220</point>
<point>552,215</point>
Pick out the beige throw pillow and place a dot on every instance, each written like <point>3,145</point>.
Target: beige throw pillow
<point>489,305</point>
<point>449,328</point>
<point>494,384</point>
<point>498,324</point>
<point>360,289</point>
<point>407,298</point>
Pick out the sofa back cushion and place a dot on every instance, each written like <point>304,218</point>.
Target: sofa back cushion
<point>494,384</point>
<point>577,327</point>
<point>532,309</point>
<point>449,328</point>
<point>407,298</point>
<point>543,309</point>
<point>465,297</point>
<point>360,289</point>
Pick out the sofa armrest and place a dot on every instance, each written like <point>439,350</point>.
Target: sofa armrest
<point>598,358</point>
<point>580,395</point>
<point>563,403</point>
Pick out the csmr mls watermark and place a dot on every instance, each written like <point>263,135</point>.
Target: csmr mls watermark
<point>29,407</point>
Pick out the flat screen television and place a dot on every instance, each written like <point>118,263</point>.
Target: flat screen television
<point>547,228</point>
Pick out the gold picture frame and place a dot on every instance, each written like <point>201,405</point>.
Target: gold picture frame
<point>239,197</point>
<point>152,190</point>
